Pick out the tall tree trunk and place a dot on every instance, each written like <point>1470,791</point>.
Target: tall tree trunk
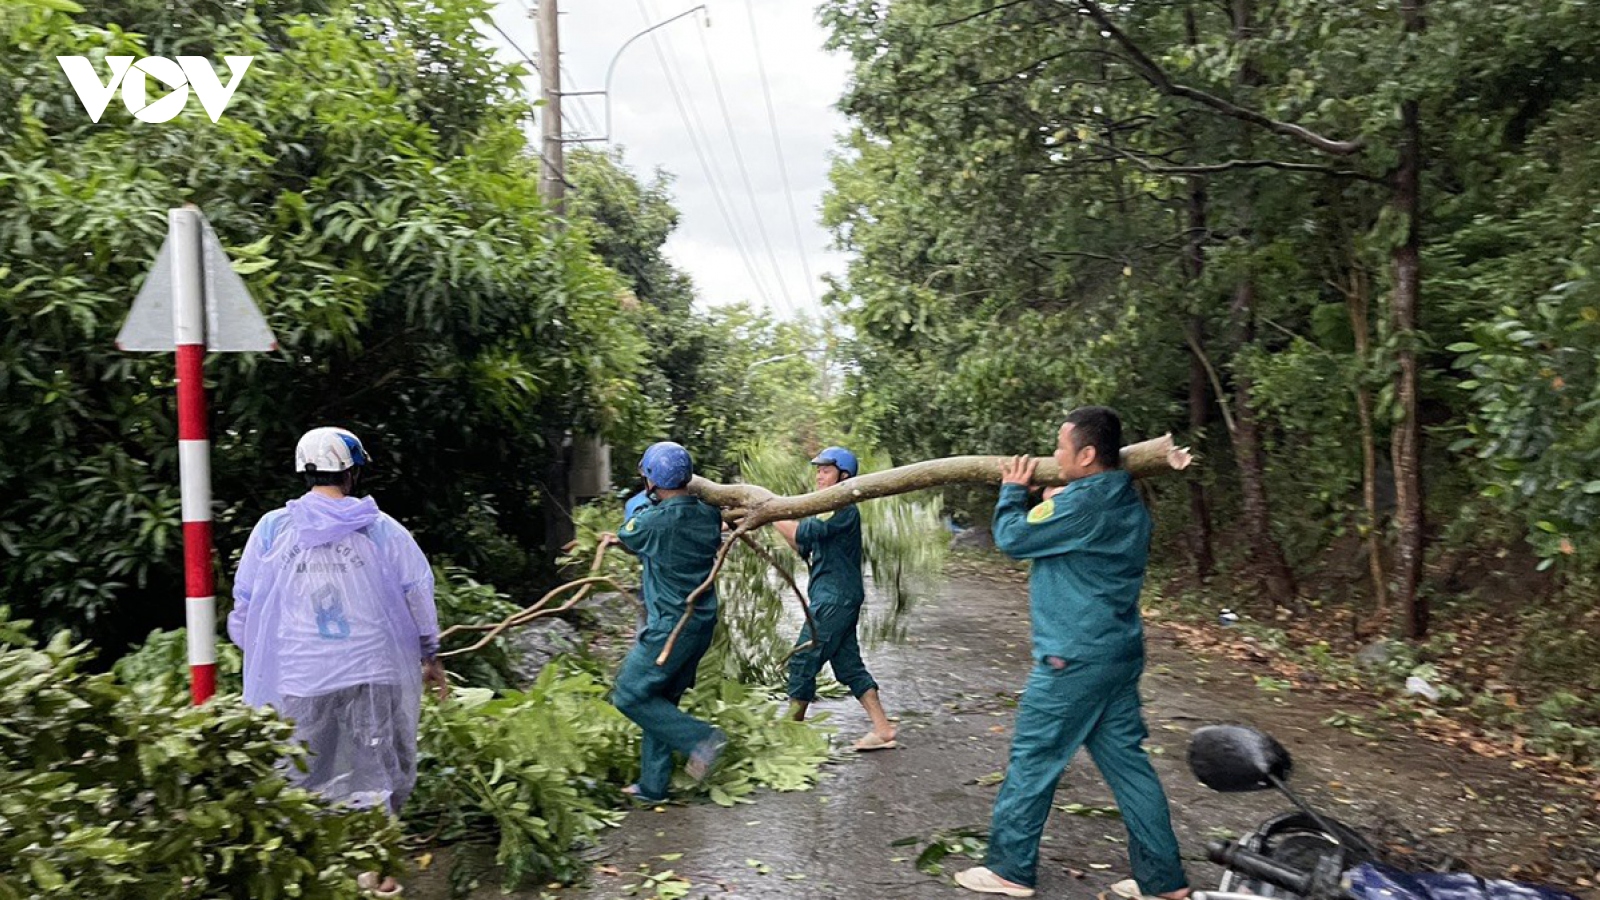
<point>1205,562</point>
<point>1358,302</point>
<point>1194,265</point>
<point>1406,446</point>
<point>1266,555</point>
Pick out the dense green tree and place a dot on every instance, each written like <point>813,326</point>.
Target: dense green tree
<point>382,208</point>
<point>1272,217</point>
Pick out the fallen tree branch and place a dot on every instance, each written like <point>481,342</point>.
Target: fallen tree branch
<point>805,606</point>
<point>1153,457</point>
<point>697,593</point>
<point>516,618</point>
<point>537,611</point>
<point>756,506</point>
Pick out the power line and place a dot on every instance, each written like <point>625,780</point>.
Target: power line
<point>777,145</point>
<point>581,107</point>
<point>520,52</point>
<point>709,170</point>
<point>744,172</point>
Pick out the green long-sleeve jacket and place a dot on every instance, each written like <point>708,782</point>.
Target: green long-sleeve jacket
<point>1090,545</point>
<point>831,546</point>
<point>677,541</point>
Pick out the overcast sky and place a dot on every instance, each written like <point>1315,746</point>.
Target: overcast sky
<point>805,83</point>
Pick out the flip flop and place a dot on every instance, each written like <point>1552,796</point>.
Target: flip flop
<point>633,793</point>
<point>369,883</point>
<point>980,879</point>
<point>872,742</point>
<point>1128,889</point>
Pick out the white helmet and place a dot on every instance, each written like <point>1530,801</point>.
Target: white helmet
<point>329,450</point>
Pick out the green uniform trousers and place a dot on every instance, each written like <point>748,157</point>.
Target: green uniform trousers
<point>836,644</point>
<point>1093,705</point>
<point>649,695</point>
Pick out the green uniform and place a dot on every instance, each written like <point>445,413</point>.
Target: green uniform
<point>831,546</point>
<point>1089,545</point>
<point>677,541</point>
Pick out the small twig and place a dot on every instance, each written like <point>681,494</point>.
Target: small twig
<point>805,606</point>
<point>697,593</point>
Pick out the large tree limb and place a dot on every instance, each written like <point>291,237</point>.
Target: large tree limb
<point>1164,83</point>
<point>1153,457</point>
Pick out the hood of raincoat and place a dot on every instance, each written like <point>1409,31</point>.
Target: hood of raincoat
<point>320,519</point>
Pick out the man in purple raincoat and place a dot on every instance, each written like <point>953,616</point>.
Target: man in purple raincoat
<point>333,608</point>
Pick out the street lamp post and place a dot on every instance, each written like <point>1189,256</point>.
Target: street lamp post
<point>612,68</point>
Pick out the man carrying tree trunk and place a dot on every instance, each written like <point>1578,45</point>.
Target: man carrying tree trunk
<point>1090,545</point>
<point>831,545</point>
<point>676,537</point>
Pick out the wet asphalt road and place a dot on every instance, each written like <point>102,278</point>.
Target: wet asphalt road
<point>953,685</point>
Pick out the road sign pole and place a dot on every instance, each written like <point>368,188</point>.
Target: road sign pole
<point>194,450</point>
<point>193,302</point>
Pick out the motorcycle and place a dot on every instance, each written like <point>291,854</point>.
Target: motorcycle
<point>1304,854</point>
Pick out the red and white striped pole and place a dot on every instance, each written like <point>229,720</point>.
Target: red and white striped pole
<point>194,450</point>
<point>192,301</point>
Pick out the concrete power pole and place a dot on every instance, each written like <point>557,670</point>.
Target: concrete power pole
<point>558,527</point>
<point>553,185</point>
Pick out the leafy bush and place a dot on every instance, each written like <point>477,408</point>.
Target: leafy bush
<point>538,773</point>
<point>161,664</point>
<point>535,773</point>
<point>114,791</point>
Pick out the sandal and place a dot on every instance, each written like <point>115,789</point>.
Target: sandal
<point>872,742</point>
<point>980,879</point>
<point>1128,889</point>
<point>371,883</point>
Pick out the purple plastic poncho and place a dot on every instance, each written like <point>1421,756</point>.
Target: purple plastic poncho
<point>333,608</point>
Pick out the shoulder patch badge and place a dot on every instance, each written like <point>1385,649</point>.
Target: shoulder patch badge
<point>631,526</point>
<point>1041,512</point>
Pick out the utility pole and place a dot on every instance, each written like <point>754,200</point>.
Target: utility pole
<point>553,185</point>
<point>558,527</point>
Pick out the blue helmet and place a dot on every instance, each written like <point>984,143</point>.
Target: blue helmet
<point>667,465</point>
<point>841,458</point>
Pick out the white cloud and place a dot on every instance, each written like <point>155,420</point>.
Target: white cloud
<point>805,83</point>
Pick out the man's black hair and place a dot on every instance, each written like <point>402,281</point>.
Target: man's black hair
<point>1100,428</point>
<point>345,481</point>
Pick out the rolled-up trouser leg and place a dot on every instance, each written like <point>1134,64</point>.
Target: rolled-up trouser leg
<point>846,661</point>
